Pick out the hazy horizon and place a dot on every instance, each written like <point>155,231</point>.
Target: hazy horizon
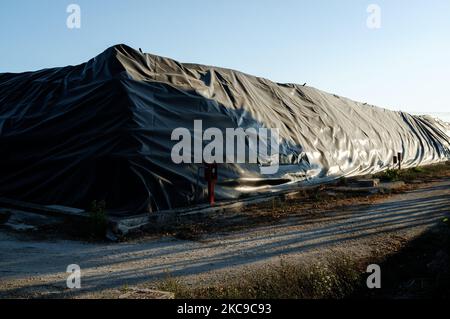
<point>443,116</point>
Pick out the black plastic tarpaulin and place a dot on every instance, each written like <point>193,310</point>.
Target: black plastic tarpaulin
<point>102,131</point>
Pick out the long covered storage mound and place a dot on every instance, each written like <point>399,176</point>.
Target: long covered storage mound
<point>103,130</point>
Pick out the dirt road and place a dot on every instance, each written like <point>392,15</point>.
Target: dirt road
<point>37,268</point>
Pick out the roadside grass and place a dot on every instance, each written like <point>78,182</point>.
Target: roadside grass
<point>417,269</point>
<point>335,278</point>
<point>420,173</point>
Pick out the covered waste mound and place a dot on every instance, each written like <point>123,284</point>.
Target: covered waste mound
<point>102,131</point>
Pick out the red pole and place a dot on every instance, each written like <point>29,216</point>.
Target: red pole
<point>211,192</point>
<point>211,177</point>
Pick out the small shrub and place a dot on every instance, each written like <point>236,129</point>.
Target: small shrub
<point>98,221</point>
<point>417,169</point>
<point>446,221</point>
<point>391,175</point>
